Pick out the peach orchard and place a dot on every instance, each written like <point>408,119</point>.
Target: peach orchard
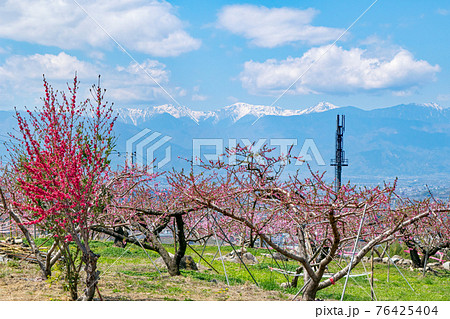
<point>60,181</point>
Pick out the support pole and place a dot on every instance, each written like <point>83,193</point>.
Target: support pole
<point>217,252</point>
<point>220,253</point>
<point>372,293</point>
<point>145,251</point>
<point>203,250</point>
<point>399,271</point>
<point>300,291</point>
<point>232,246</point>
<point>425,263</point>
<point>353,253</point>
<point>389,263</point>
<point>201,258</point>
<point>148,256</point>
<point>273,258</point>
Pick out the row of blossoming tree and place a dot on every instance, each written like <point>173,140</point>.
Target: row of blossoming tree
<point>60,180</point>
<point>310,213</point>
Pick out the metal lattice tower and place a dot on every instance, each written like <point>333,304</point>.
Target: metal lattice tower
<point>339,161</point>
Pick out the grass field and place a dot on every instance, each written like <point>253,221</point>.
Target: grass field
<point>128,274</point>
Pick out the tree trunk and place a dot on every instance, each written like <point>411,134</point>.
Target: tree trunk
<point>426,251</point>
<point>73,290</point>
<point>92,275</point>
<point>181,241</point>
<point>303,250</point>
<point>294,281</point>
<point>309,294</point>
<point>71,275</point>
<point>417,262</point>
<point>50,259</point>
<point>173,264</point>
<point>46,272</point>
<point>118,241</point>
<point>45,267</point>
<point>251,241</point>
<point>173,268</point>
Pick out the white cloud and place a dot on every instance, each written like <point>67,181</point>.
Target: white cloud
<point>266,27</point>
<point>58,67</point>
<point>97,55</point>
<point>196,96</point>
<point>180,91</point>
<point>22,78</point>
<point>145,26</point>
<point>337,71</point>
<point>145,73</point>
<point>137,82</point>
<point>233,99</point>
<point>403,93</point>
<point>443,97</point>
<point>199,97</point>
<point>443,12</point>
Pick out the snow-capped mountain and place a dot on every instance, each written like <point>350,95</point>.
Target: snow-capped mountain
<point>407,140</point>
<point>435,106</point>
<point>402,140</point>
<point>232,112</point>
<point>238,110</point>
<point>321,107</point>
<point>139,115</point>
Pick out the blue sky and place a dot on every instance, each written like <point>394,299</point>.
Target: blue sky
<point>209,54</point>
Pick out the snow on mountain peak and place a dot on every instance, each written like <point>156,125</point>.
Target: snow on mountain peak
<point>234,112</point>
<point>321,107</point>
<point>137,115</point>
<point>433,106</point>
<point>239,110</point>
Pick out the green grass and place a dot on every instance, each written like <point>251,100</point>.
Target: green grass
<point>132,260</point>
<point>430,287</point>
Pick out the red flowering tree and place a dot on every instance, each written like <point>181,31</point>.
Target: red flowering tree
<point>313,219</point>
<point>60,158</point>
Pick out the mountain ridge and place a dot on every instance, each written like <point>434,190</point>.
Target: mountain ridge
<point>234,112</point>
<point>406,140</point>
<point>239,110</point>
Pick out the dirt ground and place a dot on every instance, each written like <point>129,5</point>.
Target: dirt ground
<point>21,281</point>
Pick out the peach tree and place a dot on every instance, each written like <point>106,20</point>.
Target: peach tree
<point>60,157</point>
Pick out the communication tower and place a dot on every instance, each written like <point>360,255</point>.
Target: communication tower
<point>339,161</point>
